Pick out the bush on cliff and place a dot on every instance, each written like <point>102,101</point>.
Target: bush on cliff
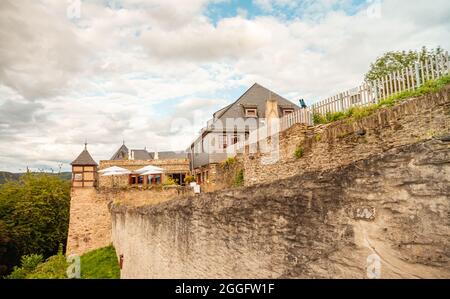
<point>239,178</point>
<point>169,181</point>
<point>33,267</point>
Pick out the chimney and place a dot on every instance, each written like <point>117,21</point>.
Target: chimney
<point>271,109</point>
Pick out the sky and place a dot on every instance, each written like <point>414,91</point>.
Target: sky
<point>153,72</point>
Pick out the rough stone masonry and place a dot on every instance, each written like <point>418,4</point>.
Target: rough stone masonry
<point>319,224</point>
<point>343,142</point>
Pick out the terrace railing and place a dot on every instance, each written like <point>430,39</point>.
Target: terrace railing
<point>372,92</point>
<point>303,116</point>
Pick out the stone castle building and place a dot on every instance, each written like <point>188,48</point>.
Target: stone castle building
<point>85,171</point>
<point>90,220</point>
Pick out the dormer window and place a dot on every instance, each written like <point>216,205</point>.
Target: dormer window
<point>288,111</point>
<point>250,112</point>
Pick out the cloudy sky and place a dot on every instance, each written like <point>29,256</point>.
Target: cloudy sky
<point>152,72</point>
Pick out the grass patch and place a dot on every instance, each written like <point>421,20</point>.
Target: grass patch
<point>357,113</point>
<point>100,263</point>
<point>299,151</point>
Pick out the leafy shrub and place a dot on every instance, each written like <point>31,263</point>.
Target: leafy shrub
<point>228,162</point>
<point>27,265</point>
<point>188,179</point>
<point>17,273</point>
<point>361,112</point>
<point>54,267</point>
<point>335,116</point>
<point>169,181</point>
<point>239,178</point>
<point>319,119</point>
<point>331,117</point>
<point>30,262</point>
<point>443,81</point>
<point>33,266</point>
<point>298,152</point>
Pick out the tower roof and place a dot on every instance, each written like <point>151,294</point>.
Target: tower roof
<point>121,153</point>
<point>84,159</point>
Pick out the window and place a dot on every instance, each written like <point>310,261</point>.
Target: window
<point>140,180</point>
<point>77,177</point>
<point>234,139</point>
<point>250,112</point>
<point>150,179</point>
<point>287,111</point>
<point>223,142</point>
<point>154,179</point>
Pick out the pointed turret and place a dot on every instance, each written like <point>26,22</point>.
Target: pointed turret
<point>84,170</point>
<point>84,159</point>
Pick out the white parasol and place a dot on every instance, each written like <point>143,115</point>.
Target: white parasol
<point>152,172</point>
<point>115,173</point>
<point>112,173</point>
<point>114,169</point>
<point>149,169</point>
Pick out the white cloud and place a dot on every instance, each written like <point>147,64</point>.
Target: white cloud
<point>265,5</point>
<point>128,71</point>
<point>40,51</point>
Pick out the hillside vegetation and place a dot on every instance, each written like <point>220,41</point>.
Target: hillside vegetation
<point>34,217</point>
<point>10,176</point>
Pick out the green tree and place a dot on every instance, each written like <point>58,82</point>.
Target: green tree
<point>397,60</point>
<point>34,217</point>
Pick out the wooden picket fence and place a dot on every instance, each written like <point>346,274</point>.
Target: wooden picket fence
<point>368,93</point>
<point>303,116</point>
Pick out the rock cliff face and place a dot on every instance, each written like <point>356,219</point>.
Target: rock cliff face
<point>319,224</point>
